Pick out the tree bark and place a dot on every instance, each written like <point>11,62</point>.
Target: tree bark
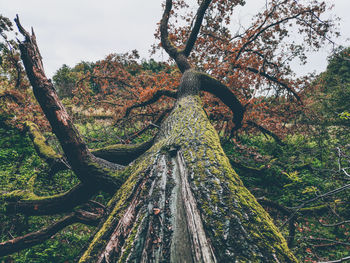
<point>183,202</point>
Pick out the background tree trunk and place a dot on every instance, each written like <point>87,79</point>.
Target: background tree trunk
<point>184,203</point>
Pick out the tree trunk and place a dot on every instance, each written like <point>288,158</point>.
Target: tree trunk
<point>183,202</point>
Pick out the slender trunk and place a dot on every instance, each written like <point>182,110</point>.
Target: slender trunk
<point>184,203</point>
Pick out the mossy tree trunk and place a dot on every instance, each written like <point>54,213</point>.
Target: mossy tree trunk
<point>183,201</point>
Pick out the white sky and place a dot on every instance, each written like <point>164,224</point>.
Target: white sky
<point>70,31</point>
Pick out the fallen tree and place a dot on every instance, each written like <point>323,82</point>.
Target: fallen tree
<point>175,198</point>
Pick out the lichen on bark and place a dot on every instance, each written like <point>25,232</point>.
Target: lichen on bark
<point>237,228</point>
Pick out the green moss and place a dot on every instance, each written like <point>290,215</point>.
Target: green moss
<point>219,175</point>
<point>18,195</point>
<point>130,240</point>
<point>117,147</point>
<point>27,195</point>
<point>119,202</point>
<point>31,183</point>
<point>43,149</point>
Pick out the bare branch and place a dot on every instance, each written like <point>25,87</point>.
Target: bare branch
<point>336,224</point>
<point>174,53</point>
<point>149,126</point>
<point>197,25</point>
<point>302,208</point>
<point>154,98</point>
<point>275,80</point>
<point>337,261</point>
<point>88,168</point>
<point>215,87</point>
<point>34,238</point>
<point>262,29</point>
<point>266,131</point>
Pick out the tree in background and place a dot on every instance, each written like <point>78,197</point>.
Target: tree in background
<point>334,88</point>
<point>16,97</point>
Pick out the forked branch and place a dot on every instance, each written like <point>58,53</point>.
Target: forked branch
<point>165,40</point>
<point>196,27</point>
<point>180,55</point>
<point>34,238</point>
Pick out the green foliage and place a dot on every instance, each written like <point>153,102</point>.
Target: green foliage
<point>65,78</point>
<point>19,168</point>
<point>291,175</point>
<point>345,115</point>
<point>338,69</point>
<point>291,168</point>
<point>153,65</point>
<point>333,98</point>
<point>64,247</point>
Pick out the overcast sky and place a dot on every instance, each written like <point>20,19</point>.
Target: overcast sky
<point>70,31</point>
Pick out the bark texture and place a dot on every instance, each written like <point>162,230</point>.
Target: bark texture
<point>183,201</point>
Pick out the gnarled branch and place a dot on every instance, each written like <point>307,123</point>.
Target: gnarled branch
<point>215,87</point>
<point>174,53</point>
<point>154,98</point>
<point>88,168</point>
<point>28,203</point>
<point>55,161</point>
<point>197,25</point>
<point>34,238</point>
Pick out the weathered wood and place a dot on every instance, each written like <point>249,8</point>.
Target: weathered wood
<point>88,168</point>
